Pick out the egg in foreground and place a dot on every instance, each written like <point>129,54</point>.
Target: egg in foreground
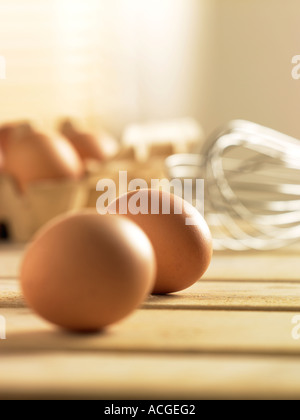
<point>85,272</point>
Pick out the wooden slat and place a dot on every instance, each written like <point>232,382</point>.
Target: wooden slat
<point>157,331</point>
<point>10,294</point>
<point>229,336</point>
<point>242,296</point>
<point>124,376</point>
<point>10,259</point>
<point>226,266</point>
<point>255,266</point>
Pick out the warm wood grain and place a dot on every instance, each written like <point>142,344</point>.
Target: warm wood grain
<point>10,294</point>
<point>10,259</point>
<point>225,295</point>
<point>226,266</point>
<point>157,331</point>
<point>243,296</point>
<point>125,376</point>
<point>229,336</point>
<point>254,266</point>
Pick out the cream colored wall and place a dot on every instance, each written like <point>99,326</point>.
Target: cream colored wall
<point>109,61</point>
<point>69,57</point>
<point>225,59</point>
<point>254,45</point>
<point>174,55</point>
<point>218,60</point>
<point>122,61</point>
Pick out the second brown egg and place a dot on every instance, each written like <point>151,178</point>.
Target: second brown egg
<point>183,250</point>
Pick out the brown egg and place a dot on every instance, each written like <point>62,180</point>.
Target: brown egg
<point>1,158</point>
<point>4,135</point>
<point>183,252</point>
<point>29,156</point>
<point>89,146</point>
<point>84,271</point>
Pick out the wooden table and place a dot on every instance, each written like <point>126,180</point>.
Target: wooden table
<point>228,337</point>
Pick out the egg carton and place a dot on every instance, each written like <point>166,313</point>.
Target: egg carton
<point>144,149</point>
<point>167,137</point>
<point>142,156</point>
<point>153,169</point>
<point>22,215</point>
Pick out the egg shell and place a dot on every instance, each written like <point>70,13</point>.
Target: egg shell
<point>85,272</point>
<point>89,146</point>
<point>29,157</point>
<point>5,132</point>
<point>183,252</point>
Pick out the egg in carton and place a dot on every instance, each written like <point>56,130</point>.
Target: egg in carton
<point>41,177</point>
<point>97,151</point>
<point>22,215</point>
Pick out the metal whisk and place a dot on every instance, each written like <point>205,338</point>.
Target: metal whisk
<point>252,177</point>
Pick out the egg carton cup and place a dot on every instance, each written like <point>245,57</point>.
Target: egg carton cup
<point>24,214</point>
<point>153,169</point>
<point>184,135</point>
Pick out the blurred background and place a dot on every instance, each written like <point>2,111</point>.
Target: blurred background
<point>114,62</point>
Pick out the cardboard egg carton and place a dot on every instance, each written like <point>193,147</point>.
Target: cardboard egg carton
<point>24,214</point>
<point>154,169</point>
<point>163,138</point>
<point>144,149</point>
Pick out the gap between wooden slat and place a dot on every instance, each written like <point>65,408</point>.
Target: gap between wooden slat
<point>161,332</point>
<point>229,296</point>
<point>226,266</point>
